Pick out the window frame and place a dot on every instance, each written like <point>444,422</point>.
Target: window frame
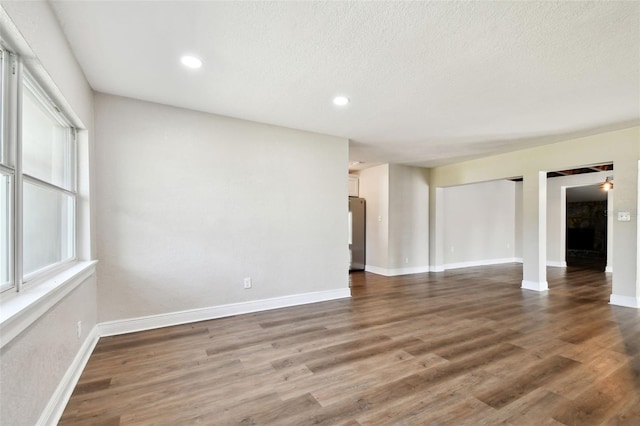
<point>8,136</point>
<point>15,77</point>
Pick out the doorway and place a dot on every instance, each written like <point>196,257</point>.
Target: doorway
<point>586,227</point>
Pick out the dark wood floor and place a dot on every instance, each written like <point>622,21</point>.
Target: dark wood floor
<point>462,347</point>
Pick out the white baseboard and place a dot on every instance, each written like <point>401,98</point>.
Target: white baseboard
<point>439,268</point>
<point>396,271</point>
<point>535,285</point>
<point>376,270</point>
<point>626,301</point>
<point>608,269</point>
<point>131,325</point>
<point>52,413</point>
<point>487,262</point>
<point>54,409</point>
<point>484,262</point>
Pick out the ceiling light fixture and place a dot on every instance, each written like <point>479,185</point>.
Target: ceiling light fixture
<point>607,184</point>
<point>340,100</point>
<point>191,61</point>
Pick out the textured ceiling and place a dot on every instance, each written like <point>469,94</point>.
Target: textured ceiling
<point>430,82</point>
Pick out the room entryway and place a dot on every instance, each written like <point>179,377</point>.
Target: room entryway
<point>586,225</point>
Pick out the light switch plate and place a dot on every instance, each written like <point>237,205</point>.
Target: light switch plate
<point>624,216</point>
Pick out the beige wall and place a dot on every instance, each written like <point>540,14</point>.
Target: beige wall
<point>620,147</point>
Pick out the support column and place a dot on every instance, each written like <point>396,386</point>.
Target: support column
<point>534,225</point>
<point>436,229</point>
<point>625,289</point>
<point>610,214</point>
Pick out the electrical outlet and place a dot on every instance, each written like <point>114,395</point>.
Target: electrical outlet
<point>79,329</point>
<point>247,282</point>
<point>406,260</point>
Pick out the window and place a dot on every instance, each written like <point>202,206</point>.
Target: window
<point>37,179</point>
<point>7,176</point>
<point>5,230</point>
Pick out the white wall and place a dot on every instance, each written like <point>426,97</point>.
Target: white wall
<point>397,218</point>
<point>518,221</point>
<point>32,30</point>
<point>472,221</point>
<point>479,223</point>
<point>191,203</point>
<point>374,188</point>
<point>34,362</point>
<point>408,219</point>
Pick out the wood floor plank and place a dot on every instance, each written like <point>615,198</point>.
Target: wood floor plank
<point>372,374</point>
<point>599,401</point>
<point>530,380</point>
<point>417,407</point>
<point>460,347</point>
<point>531,409</point>
<point>358,355</point>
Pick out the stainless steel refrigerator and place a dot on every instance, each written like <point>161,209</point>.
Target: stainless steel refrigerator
<point>357,216</point>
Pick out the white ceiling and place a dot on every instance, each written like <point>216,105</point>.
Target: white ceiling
<point>430,82</point>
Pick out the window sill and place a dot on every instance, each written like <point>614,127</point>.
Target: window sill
<point>19,310</point>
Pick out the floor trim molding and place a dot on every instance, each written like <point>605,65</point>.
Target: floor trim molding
<point>111,328</point>
<point>625,301</point>
<point>440,268</point>
<point>54,409</point>
<point>485,262</point>
<point>396,271</point>
<point>535,285</point>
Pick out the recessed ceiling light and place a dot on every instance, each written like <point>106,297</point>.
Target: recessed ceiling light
<point>191,61</point>
<point>340,100</point>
